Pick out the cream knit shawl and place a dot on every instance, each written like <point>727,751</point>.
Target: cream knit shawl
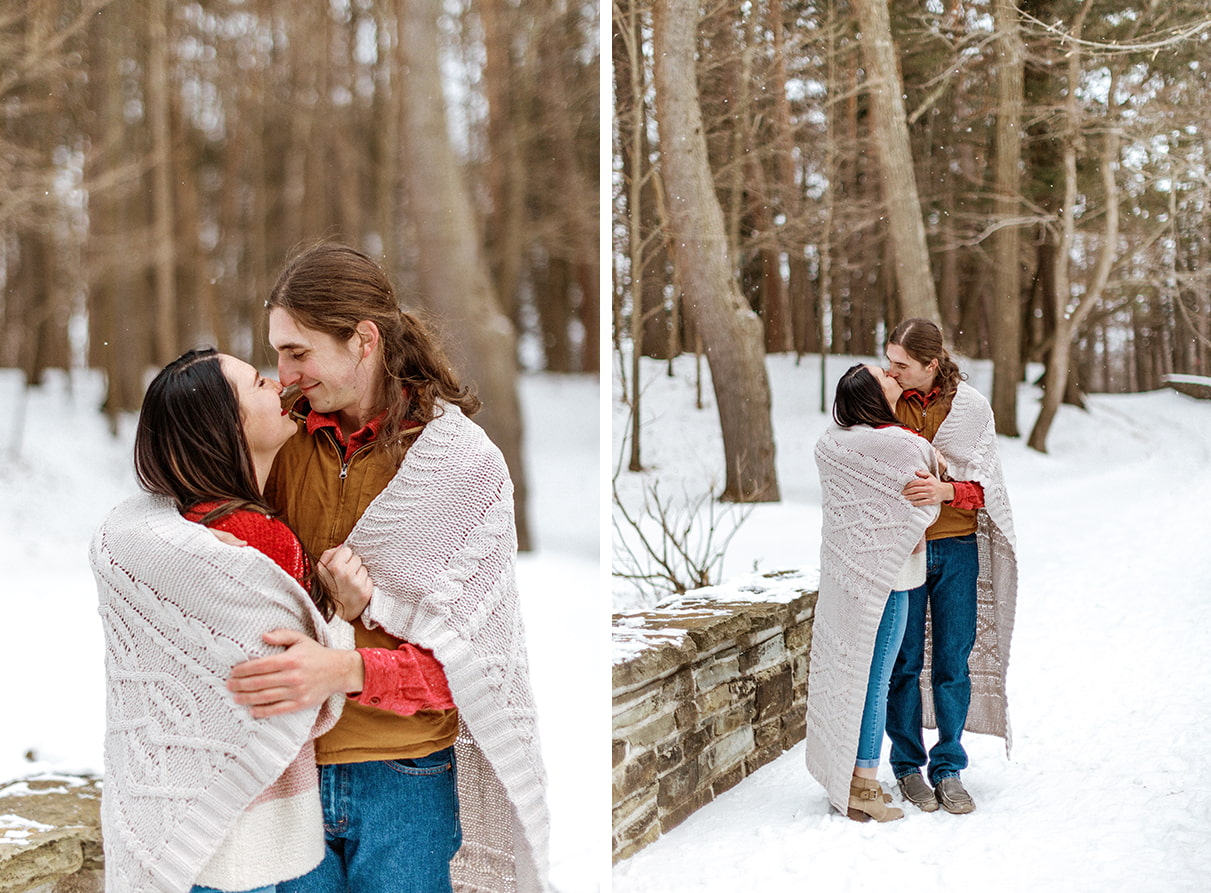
<point>183,761</point>
<point>869,530</point>
<point>440,545</point>
<point>967,439</point>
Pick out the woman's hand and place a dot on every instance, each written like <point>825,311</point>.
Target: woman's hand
<point>942,466</point>
<point>348,580</point>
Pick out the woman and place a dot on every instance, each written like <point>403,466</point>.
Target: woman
<point>872,552</point>
<point>200,794</point>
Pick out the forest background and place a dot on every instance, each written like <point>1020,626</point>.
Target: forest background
<point>160,159</point>
<point>800,175</point>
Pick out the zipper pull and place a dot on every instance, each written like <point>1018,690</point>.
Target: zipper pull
<point>344,470</point>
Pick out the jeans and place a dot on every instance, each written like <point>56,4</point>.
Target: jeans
<point>952,566</point>
<point>197,889</point>
<point>391,825</point>
<point>887,646</point>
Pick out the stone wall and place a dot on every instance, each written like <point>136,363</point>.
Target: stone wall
<point>50,835</point>
<point>707,688</point>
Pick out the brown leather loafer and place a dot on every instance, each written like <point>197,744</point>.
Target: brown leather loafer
<point>953,796</point>
<point>914,789</point>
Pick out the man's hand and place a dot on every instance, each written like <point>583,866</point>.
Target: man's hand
<point>928,490</point>
<point>302,676</point>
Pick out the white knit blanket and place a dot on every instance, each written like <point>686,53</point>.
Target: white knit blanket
<point>869,530</point>
<point>183,761</point>
<point>440,545</point>
<point>968,441</point>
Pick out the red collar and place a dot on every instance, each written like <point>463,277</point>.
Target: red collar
<point>317,421</point>
<point>920,398</point>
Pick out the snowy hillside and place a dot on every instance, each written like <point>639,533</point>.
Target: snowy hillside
<point>1108,787</point>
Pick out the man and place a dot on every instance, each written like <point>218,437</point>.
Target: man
<point>387,461</point>
<point>955,679</point>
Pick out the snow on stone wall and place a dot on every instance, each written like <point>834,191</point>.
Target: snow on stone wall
<point>707,688</point>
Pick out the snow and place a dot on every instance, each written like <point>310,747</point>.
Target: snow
<point>1108,786</point>
<point>61,471</point>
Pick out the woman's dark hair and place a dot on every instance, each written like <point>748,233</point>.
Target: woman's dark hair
<point>922,340</point>
<point>330,288</point>
<point>190,446</point>
<point>860,400</point>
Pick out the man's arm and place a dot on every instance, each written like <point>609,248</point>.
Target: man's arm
<point>304,675</point>
<point>402,680</point>
<point>928,489</point>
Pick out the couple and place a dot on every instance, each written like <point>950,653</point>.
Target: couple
<point>918,580</point>
<point>394,658</point>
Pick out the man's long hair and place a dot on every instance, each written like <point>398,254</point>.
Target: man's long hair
<point>860,400</point>
<point>330,288</point>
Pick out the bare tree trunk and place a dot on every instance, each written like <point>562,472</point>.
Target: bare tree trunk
<point>119,337</point>
<point>163,231</point>
<point>453,272</point>
<point>1006,293</point>
<point>906,227</point>
<point>1056,379</point>
<point>506,172</point>
<point>732,333</point>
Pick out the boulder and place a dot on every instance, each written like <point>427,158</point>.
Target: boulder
<point>50,835</point>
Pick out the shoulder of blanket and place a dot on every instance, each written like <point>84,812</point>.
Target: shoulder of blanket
<point>853,438</point>
<point>462,443</point>
<point>147,515</point>
<point>136,527</point>
<point>972,401</point>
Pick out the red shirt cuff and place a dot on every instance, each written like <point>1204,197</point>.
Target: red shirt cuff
<point>968,495</point>
<point>404,680</point>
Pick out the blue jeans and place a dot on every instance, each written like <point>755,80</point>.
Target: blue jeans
<point>887,646</point>
<point>952,566</point>
<point>197,889</point>
<point>391,825</point>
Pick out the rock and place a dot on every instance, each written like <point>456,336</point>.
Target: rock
<point>50,835</point>
<point>1197,386</point>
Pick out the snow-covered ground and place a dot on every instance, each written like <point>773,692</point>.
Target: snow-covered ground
<point>1108,787</point>
<point>61,471</point>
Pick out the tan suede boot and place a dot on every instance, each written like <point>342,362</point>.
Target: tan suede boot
<point>867,801</point>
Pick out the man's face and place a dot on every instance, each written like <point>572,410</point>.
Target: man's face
<point>329,372</point>
<point>904,369</point>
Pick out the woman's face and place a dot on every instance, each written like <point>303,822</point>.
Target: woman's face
<point>891,387</point>
<point>266,424</point>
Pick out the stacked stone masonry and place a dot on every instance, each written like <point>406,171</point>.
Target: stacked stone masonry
<point>50,835</point>
<point>707,688</point>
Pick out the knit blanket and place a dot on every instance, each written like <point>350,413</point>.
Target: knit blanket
<point>869,530</point>
<point>183,761</point>
<point>967,439</point>
<point>440,544</point>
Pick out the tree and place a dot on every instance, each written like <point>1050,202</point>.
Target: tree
<point>731,331</point>
<point>454,278</point>
<point>1006,291</point>
<point>914,277</point>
